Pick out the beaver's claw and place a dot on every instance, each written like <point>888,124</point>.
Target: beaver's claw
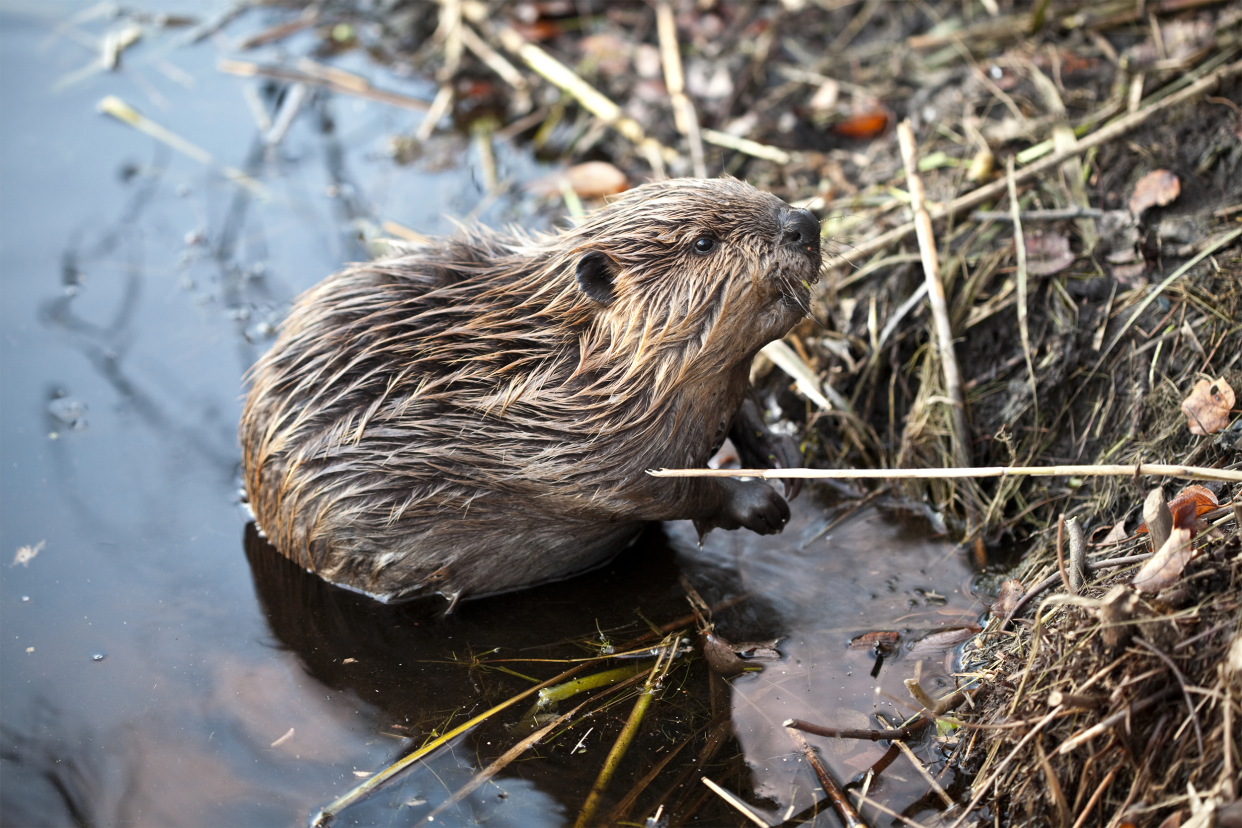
<point>760,447</point>
<point>752,504</point>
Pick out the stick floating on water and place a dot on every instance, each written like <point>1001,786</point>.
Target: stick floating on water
<point>1144,469</point>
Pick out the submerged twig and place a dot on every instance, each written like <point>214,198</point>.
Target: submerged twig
<point>619,748</point>
<point>907,732</point>
<point>742,808</point>
<point>840,803</point>
<point>117,108</point>
<point>338,81</point>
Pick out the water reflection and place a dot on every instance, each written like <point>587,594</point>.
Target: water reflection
<point>425,672</point>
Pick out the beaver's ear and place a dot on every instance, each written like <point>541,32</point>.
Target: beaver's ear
<point>595,276</point>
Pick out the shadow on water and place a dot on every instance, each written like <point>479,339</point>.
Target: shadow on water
<point>141,682</point>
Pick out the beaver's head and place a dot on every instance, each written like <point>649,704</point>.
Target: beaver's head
<point>695,274</point>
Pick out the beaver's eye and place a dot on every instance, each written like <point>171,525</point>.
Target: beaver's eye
<point>704,244</point>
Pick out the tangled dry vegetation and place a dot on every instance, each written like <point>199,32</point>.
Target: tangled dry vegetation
<point>1082,167</point>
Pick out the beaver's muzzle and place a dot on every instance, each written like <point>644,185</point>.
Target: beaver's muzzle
<point>800,228</point>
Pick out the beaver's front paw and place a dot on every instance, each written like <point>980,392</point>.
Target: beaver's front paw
<point>752,504</point>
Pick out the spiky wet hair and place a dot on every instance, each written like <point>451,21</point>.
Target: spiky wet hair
<point>515,364</point>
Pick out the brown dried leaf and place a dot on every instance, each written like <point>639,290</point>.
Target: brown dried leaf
<point>1207,407</point>
<point>721,656</point>
<point>1165,567</point>
<point>1157,188</point>
<point>1047,253</point>
<point>942,640</point>
<point>1115,535</point>
<point>729,659</point>
<point>877,641</point>
<point>863,126</point>
<point>593,179</point>
<point>1011,591</point>
<point>1203,498</point>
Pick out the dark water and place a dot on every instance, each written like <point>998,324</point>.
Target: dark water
<point>162,666</point>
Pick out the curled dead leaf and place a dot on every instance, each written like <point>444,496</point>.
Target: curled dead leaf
<point>729,659</point>
<point>591,179</point>
<point>1011,591</point>
<point>878,641</point>
<point>1047,253</point>
<point>1155,189</point>
<point>1115,535</point>
<point>1207,408</point>
<point>1165,567</point>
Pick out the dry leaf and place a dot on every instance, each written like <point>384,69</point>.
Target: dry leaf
<point>1165,567</point>
<point>825,98</point>
<point>1202,498</point>
<point>942,640</point>
<point>879,641</point>
<point>721,656</point>
<point>593,179</point>
<point>864,126</point>
<point>1115,535</point>
<point>1157,188</point>
<point>1130,274</point>
<point>1207,407</point>
<point>1011,591</point>
<point>1047,253</point>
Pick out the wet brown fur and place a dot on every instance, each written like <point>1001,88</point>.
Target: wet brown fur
<point>466,419</point>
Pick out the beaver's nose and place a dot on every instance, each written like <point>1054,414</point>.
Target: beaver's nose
<point>800,227</point>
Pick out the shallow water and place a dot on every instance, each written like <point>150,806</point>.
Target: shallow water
<point>165,667</point>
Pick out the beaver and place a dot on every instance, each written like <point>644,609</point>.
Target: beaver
<point>478,414</point>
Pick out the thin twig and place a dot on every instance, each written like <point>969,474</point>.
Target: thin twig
<point>980,790</point>
<point>935,293</point>
<point>931,780</point>
<point>907,732</point>
<point>123,112</point>
<point>1143,469</point>
<point>734,802</point>
<point>591,98</point>
<point>684,116</point>
<point>1095,797</point>
<point>1019,245</point>
<point>1181,682</point>
<point>652,686</point>
<point>991,191</point>
<point>1060,214</point>
<point>746,146</point>
<point>1104,724</point>
<point>247,69</point>
<point>844,808</point>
